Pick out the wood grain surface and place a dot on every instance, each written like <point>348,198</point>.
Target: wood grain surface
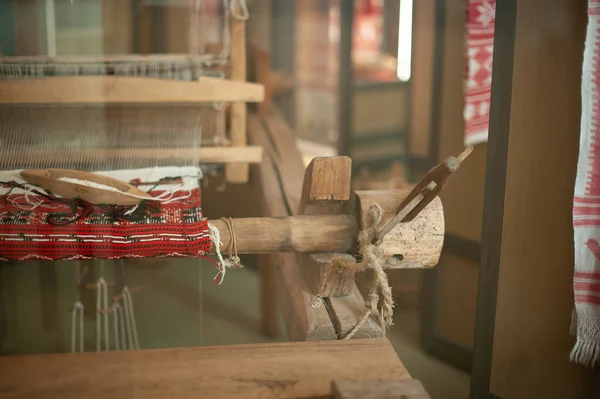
<point>288,370</point>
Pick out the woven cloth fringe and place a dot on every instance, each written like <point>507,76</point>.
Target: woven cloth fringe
<point>586,205</point>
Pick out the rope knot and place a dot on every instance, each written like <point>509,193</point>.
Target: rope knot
<point>373,258</point>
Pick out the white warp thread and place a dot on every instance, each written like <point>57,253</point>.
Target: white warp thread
<point>102,315</point>
<point>131,325</point>
<point>75,312</point>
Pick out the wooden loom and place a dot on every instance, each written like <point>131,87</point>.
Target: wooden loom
<point>321,217</point>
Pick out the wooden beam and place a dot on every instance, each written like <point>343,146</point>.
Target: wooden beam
<point>280,370</point>
<point>238,173</point>
<point>219,155</point>
<point>304,234</point>
<point>126,90</point>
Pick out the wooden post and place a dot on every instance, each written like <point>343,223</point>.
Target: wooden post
<point>327,190</point>
<point>238,173</point>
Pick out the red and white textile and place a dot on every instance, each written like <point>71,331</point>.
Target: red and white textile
<point>481,16</point>
<point>170,228</point>
<point>586,204</point>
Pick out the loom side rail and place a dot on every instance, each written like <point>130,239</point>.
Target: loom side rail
<point>126,90</point>
<point>217,155</point>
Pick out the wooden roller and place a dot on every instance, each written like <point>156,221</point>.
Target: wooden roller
<point>415,244</point>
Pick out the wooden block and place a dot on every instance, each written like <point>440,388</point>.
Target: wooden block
<point>325,280</point>
<point>327,190</point>
<point>378,389</point>
<point>327,181</point>
<point>415,244</point>
<point>347,311</point>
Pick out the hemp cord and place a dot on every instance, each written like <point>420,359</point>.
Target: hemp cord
<point>372,258</point>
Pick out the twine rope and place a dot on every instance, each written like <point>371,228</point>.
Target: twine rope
<point>233,261</point>
<point>372,258</point>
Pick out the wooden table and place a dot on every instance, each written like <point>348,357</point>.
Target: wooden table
<point>283,370</point>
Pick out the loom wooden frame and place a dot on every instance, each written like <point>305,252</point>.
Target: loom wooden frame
<point>126,90</point>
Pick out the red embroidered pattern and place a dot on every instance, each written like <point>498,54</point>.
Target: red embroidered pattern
<point>176,229</point>
<point>481,16</point>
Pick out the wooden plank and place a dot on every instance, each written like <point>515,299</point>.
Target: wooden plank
<point>238,111</point>
<point>284,370</point>
<point>531,341</point>
<point>125,90</point>
<point>250,154</point>
<point>378,389</point>
<point>106,58</point>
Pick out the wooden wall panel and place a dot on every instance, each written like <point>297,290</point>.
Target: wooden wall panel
<point>117,20</point>
<point>535,296</point>
<point>458,293</point>
<point>380,109</point>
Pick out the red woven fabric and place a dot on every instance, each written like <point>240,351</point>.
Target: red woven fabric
<point>481,17</point>
<point>174,229</point>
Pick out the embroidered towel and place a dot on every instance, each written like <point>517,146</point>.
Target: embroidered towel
<point>586,205</point>
<point>481,16</point>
